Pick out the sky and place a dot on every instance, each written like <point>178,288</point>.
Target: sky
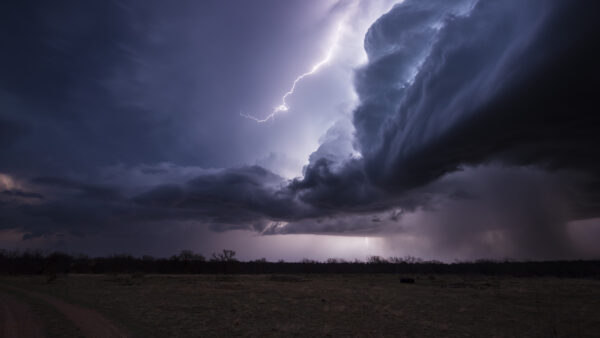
<point>446,130</point>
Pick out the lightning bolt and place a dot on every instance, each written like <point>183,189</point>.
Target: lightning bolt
<point>283,106</point>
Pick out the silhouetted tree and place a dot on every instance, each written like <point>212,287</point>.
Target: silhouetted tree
<point>376,260</point>
<point>190,256</point>
<point>225,256</point>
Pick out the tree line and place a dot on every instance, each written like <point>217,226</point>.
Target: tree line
<point>225,262</point>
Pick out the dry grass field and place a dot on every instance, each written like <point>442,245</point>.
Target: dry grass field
<point>314,305</point>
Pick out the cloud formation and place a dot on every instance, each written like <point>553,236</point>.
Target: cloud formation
<point>504,83</point>
<point>476,119</point>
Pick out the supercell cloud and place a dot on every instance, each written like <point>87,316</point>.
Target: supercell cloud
<point>475,134</point>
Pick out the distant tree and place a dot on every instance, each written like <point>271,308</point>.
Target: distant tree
<point>225,256</point>
<point>308,261</point>
<point>395,260</point>
<point>412,259</point>
<point>190,256</point>
<point>376,260</point>
<point>336,261</point>
<point>186,255</point>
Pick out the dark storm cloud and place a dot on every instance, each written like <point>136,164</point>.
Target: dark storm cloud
<point>230,199</point>
<point>22,194</point>
<point>240,198</point>
<point>396,45</point>
<point>75,208</point>
<point>504,83</point>
<point>233,196</point>
<point>512,81</point>
<point>509,82</point>
<point>88,190</point>
<point>54,71</point>
<point>88,85</point>
<point>10,132</point>
<point>448,86</point>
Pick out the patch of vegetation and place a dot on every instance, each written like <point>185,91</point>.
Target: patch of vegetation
<point>225,262</point>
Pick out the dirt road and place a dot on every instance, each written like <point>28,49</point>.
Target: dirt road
<point>18,317</point>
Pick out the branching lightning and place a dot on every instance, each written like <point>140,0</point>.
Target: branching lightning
<point>283,106</point>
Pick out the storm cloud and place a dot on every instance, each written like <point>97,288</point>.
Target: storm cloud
<point>475,134</point>
<point>510,81</point>
<point>438,96</point>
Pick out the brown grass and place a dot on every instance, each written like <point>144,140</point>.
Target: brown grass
<point>335,305</point>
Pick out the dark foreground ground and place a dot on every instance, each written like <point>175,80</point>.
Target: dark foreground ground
<point>299,305</point>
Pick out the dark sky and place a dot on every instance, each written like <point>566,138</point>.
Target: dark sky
<point>441,129</point>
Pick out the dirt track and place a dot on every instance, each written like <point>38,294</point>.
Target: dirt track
<point>19,321</point>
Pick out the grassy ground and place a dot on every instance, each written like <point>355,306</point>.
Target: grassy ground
<point>335,305</point>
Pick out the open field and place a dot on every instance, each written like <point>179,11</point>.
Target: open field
<point>306,305</point>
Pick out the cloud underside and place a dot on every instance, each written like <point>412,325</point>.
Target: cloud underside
<point>468,110</point>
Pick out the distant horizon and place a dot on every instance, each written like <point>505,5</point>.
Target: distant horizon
<point>330,260</point>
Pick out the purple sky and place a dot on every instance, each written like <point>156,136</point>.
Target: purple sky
<point>441,129</point>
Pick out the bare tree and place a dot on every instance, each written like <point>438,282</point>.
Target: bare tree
<point>225,256</point>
